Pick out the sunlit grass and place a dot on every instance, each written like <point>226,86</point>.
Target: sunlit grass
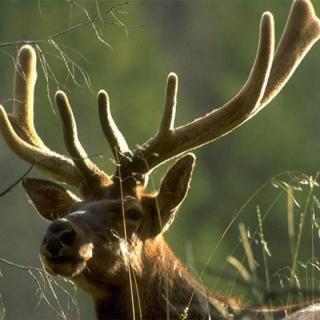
<point>2,312</point>
<point>247,270</point>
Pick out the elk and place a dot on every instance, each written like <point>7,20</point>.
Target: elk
<point>109,239</point>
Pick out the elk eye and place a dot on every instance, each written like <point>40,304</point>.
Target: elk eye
<point>133,214</point>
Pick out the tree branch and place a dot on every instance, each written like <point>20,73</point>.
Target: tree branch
<point>47,39</point>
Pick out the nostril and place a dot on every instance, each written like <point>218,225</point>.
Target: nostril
<point>54,247</point>
<point>67,237</point>
<point>60,236</point>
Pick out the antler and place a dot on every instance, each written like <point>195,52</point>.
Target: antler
<point>268,76</point>
<point>18,130</point>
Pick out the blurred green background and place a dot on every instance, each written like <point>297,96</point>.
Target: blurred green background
<point>211,46</point>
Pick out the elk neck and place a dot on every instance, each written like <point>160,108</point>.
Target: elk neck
<point>161,287</point>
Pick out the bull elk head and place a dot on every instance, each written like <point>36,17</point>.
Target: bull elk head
<point>109,239</point>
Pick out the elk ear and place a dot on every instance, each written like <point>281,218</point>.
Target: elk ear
<point>50,199</point>
<point>173,191</point>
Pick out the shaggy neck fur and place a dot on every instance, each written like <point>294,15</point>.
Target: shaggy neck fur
<point>163,289</point>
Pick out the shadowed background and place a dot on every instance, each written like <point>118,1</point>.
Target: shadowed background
<point>211,46</point>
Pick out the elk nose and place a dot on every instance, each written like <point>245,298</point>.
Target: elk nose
<point>60,236</point>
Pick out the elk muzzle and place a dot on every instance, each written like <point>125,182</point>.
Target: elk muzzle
<point>63,250</point>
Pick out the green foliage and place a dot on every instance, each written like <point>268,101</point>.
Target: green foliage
<point>2,312</point>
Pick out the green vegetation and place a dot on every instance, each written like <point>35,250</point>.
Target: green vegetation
<point>2,309</point>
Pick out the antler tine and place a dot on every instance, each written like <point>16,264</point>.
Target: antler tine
<point>166,128</point>
<point>219,121</point>
<point>90,172</point>
<point>302,30</point>
<point>116,140</point>
<point>56,165</point>
<point>169,112</point>
<point>23,96</point>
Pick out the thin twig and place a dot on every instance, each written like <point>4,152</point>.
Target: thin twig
<point>19,266</point>
<point>47,278</point>
<point>44,296</point>
<point>16,182</point>
<point>54,293</point>
<point>95,19</point>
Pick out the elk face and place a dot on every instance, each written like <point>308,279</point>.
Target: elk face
<point>102,237</point>
<point>84,234</point>
<point>92,235</point>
